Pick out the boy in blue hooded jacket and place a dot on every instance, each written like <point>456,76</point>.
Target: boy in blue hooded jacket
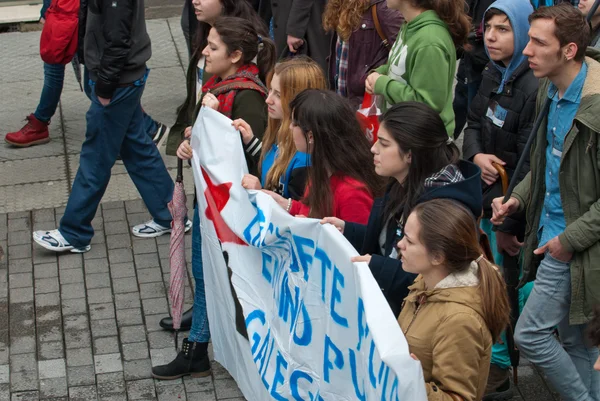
<point>499,122</point>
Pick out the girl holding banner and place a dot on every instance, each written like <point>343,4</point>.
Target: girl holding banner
<point>414,152</point>
<point>458,305</point>
<point>282,168</point>
<point>325,126</point>
<point>234,89</point>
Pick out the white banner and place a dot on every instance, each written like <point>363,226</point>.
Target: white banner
<point>309,325</point>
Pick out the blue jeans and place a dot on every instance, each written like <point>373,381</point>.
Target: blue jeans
<point>150,126</point>
<point>199,332</point>
<point>112,130</point>
<point>569,369</point>
<point>54,76</point>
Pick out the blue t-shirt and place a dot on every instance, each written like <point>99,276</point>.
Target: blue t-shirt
<point>300,160</point>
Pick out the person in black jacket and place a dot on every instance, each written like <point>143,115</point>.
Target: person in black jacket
<point>499,123</point>
<point>412,149</point>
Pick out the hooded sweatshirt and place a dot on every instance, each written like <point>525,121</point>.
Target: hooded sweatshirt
<point>460,182</point>
<point>502,113</point>
<point>446,330</point>
<point>421,67</point>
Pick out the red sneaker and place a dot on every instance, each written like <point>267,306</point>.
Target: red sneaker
<point>35,132</point>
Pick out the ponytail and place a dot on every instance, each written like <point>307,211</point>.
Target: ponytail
<point>266,57</point>
<point>494,300</point>
<point>453,13</point>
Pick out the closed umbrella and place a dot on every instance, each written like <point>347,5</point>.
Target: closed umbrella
<point>178,210</point>
<point>77,70</point>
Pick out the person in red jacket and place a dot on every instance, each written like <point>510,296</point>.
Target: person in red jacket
<point>340,182</point>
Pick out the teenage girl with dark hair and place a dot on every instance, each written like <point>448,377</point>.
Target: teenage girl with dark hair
<point>232,45</point>
<point>413,151</point>
<point>422,62</point>
<point>325,126</point>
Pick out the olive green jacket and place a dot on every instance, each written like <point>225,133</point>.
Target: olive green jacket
<point>579,182</point>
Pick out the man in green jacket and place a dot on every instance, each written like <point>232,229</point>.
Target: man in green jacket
<point>561,195</point>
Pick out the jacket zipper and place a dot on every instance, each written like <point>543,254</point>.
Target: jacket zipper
<point>422,298</point>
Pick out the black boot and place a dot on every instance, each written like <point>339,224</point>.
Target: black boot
<point>191,360</point>
<point>186,321</point>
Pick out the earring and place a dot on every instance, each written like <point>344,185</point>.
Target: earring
<point>566,58</point>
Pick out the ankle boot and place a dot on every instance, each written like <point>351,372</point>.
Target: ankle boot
<point>186,321</point>
<point>191,360</point>
<point>35,132</point>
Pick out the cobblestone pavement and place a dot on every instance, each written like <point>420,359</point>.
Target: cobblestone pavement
<point>85,327</point>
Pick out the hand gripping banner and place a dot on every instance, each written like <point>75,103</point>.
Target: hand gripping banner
<point>291,318</point>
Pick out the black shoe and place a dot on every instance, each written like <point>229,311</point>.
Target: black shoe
<point>186,321</point>
<point>191,360</point>
<point>501,393</point>
<point>162,132</point>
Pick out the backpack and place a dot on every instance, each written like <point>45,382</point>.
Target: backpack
<point>58,42</point>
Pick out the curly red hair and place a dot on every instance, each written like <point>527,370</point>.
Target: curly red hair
<point>344,16</point>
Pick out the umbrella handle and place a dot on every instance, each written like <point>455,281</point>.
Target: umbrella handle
<point>179,170</point>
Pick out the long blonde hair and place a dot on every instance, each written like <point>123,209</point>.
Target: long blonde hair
<point>344,16</point>
<point>295,75</point>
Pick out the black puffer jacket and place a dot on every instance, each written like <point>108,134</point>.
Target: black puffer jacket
<point>507,141</point>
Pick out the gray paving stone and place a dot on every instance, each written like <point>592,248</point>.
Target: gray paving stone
<point>108,363</point>
<point>19,238</point>
<point>106,345</point>
<point>47,315</point>
<point>50,350</point>
<point>72,291</point>
<point>122,270</point>
<point>46,270</point>
<point>227,388</point>
<point>52,369</point>
<point>135,351</point>
<point>161,339</point>
<point>71,276</point>
<point>20,265</point>
<point>77,322</point>
<point>24,381</point>
<point>51,388</point>
<point>46,285</point>
<point>49,333</point>
<point>198,385</point>
<point>25,396</point>
<point>78,339</point>
<point>155,306</point>
<point>112,205</point>
<point>152,322</point>
<point>79,357</point>
<point>137,369</point>
<point>208,395</point>
<point>170,393</point>
<point>70,261</point>
<point>41,255</point>
<point>100,296</point>
<point>143,246</point>
<point>99,239</point>
<point>81,376</point>
<point>20,280</point>
<point>102,311</point>
<point>104,328</point>
<point>146,261</point>
<point>129,317</point>
<point>118,241</point>
<point>113,397</point>
<point>127,301</point>
<point>22,345</point>
<point>97,252</point>
<point>97,280</point>
<point>4,374</point>
<point>96,266</point>
<point>141,390</point>
<point>82,393</point>
<point>120,256</point>
<point>19,224</point>
<point>110,383</point>
<point>135,206</point>
<point>73,306</point>
<point>21,295</point>
<point>132,334</point>
<point>116,227</point>
<point>43,215</point>
<point>124,285</point>
<point>152,290</point>
<point>152,275</point>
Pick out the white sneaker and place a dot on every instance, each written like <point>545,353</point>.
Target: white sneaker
<point>151,229</point>
<point>54,241</point>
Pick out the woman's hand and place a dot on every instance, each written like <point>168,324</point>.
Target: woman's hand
<point>211,101</point>
<point>334,221</point>
<point>184,151</point>
<point>364,258</point>
<point>251,182</point>
<point>244,129</point>
<point>281,201</point>
<point>187,134</point>
<point>370,82</point>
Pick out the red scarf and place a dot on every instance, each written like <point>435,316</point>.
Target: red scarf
<point>246,77</point>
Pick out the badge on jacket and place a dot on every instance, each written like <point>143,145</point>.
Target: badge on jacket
<point>496,113</point>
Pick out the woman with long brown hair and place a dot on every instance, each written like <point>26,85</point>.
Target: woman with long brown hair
<point>282,168</point>
<point>422,62</point>
<point>458,305</point>
<point>364,31</point>
<point>325,126</point>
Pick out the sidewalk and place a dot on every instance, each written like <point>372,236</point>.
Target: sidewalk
<point>85,327</point>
